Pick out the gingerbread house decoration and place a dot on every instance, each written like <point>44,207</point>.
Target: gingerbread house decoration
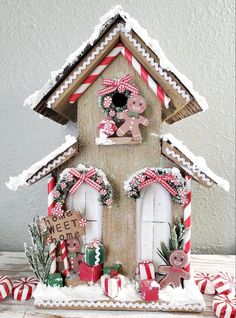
<point>118,88</point>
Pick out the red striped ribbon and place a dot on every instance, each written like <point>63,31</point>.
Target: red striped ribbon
<point>84,177</point>
<point>160,179</point>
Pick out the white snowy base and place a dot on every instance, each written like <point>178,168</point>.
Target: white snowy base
<point>92,297</point>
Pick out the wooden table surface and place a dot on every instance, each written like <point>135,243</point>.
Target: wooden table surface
<point>14,265</point>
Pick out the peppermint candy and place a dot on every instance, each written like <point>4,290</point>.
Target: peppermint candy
<point>23,288</point>
<point>225,306</point>
<point>224,283</point>
<point>205,283</point>
<point>5,287</point>
<point>82,222</point>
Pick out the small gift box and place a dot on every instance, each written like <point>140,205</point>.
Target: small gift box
<point>149,290</point>
<point>146,270</point>
<point>55,280</point>
<point>90,274</point>
<point>112,285</point>
<point>94,253</point>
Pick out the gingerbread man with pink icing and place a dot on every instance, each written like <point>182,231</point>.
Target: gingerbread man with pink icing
<point>133,118</point>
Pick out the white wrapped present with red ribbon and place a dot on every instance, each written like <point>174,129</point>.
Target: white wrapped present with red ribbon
<point>112,284</point>
<point>146,270</point>
<point>5,287</point>
<point>224,306</point>
<point>23,288</point>
<point>224,283</point>
<point>205,283</point>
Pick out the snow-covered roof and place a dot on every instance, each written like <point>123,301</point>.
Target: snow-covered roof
<point>44,166</point>
<point>73,59</point>
<point>198,167</point>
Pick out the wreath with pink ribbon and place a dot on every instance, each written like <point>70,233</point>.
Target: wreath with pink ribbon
<point>174,183</point>
<point>72,178</point>
<point>113,97</point>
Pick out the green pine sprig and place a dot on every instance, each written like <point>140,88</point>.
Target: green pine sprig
<point>176,240</point>
<point>36,254</point>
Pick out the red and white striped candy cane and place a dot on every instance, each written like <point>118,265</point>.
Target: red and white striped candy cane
<point>64,258</point>
<point>187,221</point>
<point>51,205</point>
<point>157,90</point>
<point>94,75</point>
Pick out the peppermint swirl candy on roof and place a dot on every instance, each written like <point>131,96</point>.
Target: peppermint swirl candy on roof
<point>205,283</point>
<point>224,306</point>
<point>224,283</point>
<point>23,288</point>
<point>5,287</point>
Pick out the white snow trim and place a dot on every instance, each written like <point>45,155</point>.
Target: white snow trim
<point>199,163</point>
<point>188,298</point>
<point>131,23</point>
<point>15,182</point>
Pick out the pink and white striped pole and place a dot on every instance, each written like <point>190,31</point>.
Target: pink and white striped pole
<point>187,221</point>
<point>64,258</point>
<point>94,75</point>
<point>51,203</point>
<point>157,90</point>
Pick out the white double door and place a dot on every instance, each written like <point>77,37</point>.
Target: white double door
<point>85,199</point>
<point>153,216</point>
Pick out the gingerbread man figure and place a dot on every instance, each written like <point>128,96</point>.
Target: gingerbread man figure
<point>174,272</point>
<point>132,117</point>
<point>75,258</point>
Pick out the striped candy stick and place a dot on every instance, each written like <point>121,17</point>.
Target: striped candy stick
<point>64,258</point>
<point>51,205</point>
<point>187,221</point>
<point>94,75</point>
<point>157,90</point>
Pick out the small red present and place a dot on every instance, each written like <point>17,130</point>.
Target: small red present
<point>146,270</point>
<point>90,273</point>
<point>149,290</point>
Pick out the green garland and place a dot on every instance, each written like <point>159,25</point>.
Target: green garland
<point>108,111</point>
<point>67,180</point>
<point>132,185</point>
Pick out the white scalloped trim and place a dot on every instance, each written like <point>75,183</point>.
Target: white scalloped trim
<point>191,169</point>
<point>51,166</point>
<point>120,28</point>
<point>79,69</point>
<point>124,304</point>
<point>157,67</point>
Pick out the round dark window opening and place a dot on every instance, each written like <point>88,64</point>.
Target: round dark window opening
<point>119,100</point>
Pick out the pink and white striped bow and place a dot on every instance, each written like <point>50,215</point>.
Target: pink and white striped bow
<point>84,177</point>
<point>160,179</point>
<point>121,85</point>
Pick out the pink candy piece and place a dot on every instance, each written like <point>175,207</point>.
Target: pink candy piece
<point>23,288</point>
<point>225,306</point>
<point>205,283</point>
<point>5,287</point>
<point>224,283</point>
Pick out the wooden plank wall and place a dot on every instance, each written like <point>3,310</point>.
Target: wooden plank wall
<point>118,162</point>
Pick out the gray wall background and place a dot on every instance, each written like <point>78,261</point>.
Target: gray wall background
<point>197,36</point>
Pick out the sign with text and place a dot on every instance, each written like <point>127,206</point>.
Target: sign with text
<point>69,225</point>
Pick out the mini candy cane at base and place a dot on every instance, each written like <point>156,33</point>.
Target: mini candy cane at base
<point>51,205</point>
<point>187,222</point>
<point>64,258</point>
